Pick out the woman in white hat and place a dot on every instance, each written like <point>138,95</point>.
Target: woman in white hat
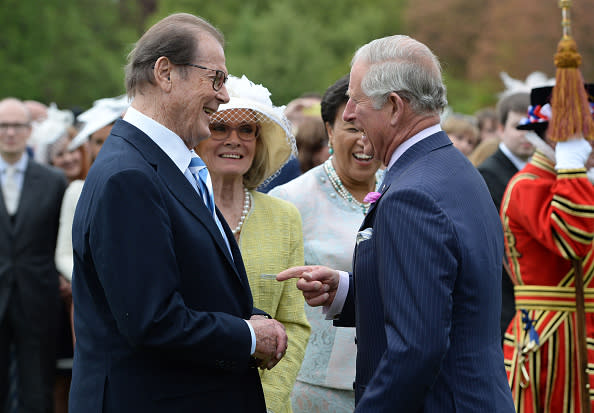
<point>250,141</point>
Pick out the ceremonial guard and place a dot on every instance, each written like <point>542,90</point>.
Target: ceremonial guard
<point>548,218</point>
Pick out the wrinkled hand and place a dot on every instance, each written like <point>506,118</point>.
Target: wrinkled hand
<point>271,341</point>
<point>318,283</point>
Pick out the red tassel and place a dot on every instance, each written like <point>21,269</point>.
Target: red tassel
<point>569,103</point>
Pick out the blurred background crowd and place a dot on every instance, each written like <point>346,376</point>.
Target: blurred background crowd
<point>322,158</point>
<point>68,74</point>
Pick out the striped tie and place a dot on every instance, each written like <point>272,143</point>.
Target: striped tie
<point>200,173</point>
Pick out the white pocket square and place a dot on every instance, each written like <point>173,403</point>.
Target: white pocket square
<point>364,235</point>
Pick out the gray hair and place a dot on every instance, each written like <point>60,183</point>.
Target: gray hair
<point>173,37</point>
<point>403,65</point>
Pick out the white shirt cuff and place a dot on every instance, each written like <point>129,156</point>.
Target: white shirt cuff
<point>342,291</point>
<point>253,350</point>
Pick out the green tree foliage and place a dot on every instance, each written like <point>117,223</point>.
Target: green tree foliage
<point>70,52</point>
<point>293,46</point>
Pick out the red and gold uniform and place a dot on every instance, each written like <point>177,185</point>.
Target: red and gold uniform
<point>548,220</point>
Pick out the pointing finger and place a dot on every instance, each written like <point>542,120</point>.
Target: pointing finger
<point>294,272</point>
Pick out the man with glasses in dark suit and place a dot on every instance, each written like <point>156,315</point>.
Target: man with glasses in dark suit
<point>163,311</point>
<point>29,299</point>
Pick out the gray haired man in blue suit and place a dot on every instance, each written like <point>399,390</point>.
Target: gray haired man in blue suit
<point>425,293</point>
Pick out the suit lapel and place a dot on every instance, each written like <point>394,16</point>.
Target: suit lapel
<point>32,188</point>
<point>176,182</point>
<point>508,166</point>
<point>412,154</point>
<point>4,218</point>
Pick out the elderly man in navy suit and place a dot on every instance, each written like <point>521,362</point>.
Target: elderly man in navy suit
<point>425,293</point>
<point>163,312</point>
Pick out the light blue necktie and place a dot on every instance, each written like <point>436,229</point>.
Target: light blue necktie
<point>200,173</point>
<point>198,170</point>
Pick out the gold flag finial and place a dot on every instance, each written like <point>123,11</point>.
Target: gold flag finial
<point>565,19</point>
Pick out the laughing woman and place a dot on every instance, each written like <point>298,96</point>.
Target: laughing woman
<point>330,200</point>
<point>250,141</point>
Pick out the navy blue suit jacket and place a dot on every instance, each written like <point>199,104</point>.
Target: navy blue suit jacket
<point>425,295</point>
<point>159,302</point>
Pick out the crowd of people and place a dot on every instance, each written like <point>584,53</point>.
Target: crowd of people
<point>190,246</point>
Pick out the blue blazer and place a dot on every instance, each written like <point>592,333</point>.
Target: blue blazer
<point>159,302</point>
<point>425,295</point>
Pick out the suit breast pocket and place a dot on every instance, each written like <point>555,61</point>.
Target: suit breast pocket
<point>364,250</point>
<point>364,235</point>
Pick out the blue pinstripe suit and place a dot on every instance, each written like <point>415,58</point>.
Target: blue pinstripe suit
<point>426,290</point>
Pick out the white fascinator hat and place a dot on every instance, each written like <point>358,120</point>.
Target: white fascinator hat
<point>277,142</point>
<point>104,112</point>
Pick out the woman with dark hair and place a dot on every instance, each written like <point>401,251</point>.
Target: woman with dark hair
<point>338,186</point>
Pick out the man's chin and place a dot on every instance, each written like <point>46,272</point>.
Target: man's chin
<point>194,140</point>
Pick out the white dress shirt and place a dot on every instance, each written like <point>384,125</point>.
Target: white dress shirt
<point>21,167</point>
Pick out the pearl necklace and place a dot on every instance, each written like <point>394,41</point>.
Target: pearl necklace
<point>246,209</point>
<point>339,187</point>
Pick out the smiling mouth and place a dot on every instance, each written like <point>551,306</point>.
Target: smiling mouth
<point>231,156</point>
<point>362,157</point>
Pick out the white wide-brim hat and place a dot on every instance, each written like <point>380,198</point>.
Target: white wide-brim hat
<point>275,129</point>
<point>104,112</point>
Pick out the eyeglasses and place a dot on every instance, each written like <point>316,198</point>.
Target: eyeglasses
<point>18,127</point>
<point>219,79</point>
<point>246,132</point>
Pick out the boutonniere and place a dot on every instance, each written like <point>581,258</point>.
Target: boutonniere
<point>372,197</point>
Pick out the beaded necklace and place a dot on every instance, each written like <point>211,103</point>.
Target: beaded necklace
<point>244,212</point>
<point>339,187</point>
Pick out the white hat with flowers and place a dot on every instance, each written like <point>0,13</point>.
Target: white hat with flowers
<point>275,129</point>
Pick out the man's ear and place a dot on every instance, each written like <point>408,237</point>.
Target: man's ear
<point>162,72</point>
<point>396,107</point>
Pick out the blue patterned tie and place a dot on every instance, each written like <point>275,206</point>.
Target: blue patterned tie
<point>200,173</point>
